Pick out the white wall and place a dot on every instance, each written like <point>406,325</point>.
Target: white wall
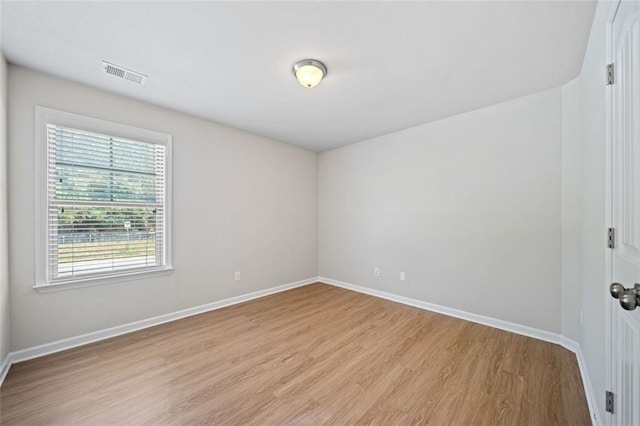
<point>571,288</point>
<point>500,212</point>
<point>240,202</point>
<point>469,207</point>
<point>4,254</point>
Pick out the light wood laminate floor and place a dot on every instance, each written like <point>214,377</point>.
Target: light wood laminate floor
<point>312,355</point>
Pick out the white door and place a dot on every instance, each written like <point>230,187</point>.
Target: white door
<point>624,332</point>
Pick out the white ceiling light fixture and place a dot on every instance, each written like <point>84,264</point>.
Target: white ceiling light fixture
<point>309,72</point>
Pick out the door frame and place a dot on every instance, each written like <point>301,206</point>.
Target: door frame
<point>609,302</point>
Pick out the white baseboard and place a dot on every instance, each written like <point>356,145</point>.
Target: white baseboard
<point>535,333</point>
<point>72,342</point>
<point>4,367</point>
<point>596,416</point>
<point>480,319</point>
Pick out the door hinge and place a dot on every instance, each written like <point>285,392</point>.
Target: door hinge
<point>608,404</point>
<point>611,238</point>
<point>609,74</point>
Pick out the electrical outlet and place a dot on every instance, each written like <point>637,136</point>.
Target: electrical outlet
<point>237,276</point>
<point>403,277</point>
<point>376,271</point>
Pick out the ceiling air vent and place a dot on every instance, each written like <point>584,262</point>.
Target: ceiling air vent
<point>124,73</point>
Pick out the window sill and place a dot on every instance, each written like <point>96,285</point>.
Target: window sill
<point>94,281</point>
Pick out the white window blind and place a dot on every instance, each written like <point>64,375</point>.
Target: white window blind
<point>106,204</point>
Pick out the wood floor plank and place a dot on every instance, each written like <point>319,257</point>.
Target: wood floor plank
<point>312,355</point>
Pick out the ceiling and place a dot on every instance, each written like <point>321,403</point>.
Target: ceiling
<point>391,65</point>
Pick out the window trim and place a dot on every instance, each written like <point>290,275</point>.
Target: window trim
<point>44,116</point>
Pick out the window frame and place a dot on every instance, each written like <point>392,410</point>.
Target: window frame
<point>45,116</point>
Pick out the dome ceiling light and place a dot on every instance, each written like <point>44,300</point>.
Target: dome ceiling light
<point>309,72</point>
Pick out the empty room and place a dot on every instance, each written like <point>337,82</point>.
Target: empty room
<point>320,212</point>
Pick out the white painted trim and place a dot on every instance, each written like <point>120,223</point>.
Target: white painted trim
<point>72,342</point>
<point>608,213</point>
<point>102,280</point>
<point>596,415</point>
<point>44,116</point>
<point>570,344</point>
<point>524,330</point>
<point>4,367</point>
<point>84,339</point>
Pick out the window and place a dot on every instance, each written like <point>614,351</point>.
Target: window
<point>103,200</point>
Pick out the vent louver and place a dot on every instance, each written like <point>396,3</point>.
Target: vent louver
<point>124,73</point>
